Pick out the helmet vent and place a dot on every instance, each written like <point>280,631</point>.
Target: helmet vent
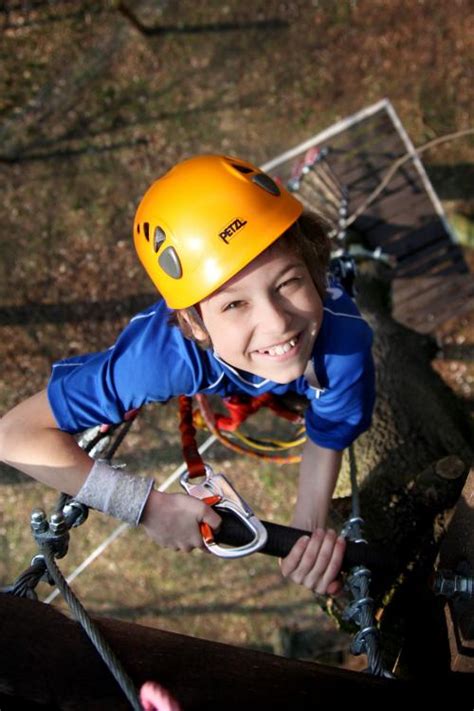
<point>169,262</point>
<point>242,168</point>
<point>158,238</point>
<point>264,181</point>
<point>146,231</point>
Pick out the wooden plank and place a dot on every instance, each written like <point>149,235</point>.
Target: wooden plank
<point>403,181</point>
<point>430,306</point>
<point>437,259</point>
<point>348,147</point>
<point>401,186</point>
<point>444,261</point>
<point>427,308</point>
<point>369,162</point>
<point>46,658</point>
<point>356,138</point>
<point>393,205</point>
<point>431,240</point>
<point>387,205</point>
<point>425,287</point>
<point>402,239</point>
<point>428,241</point>
<point>347,166</point>
<point>355,170</point>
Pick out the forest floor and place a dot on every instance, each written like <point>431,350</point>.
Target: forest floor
<point>93,107</point>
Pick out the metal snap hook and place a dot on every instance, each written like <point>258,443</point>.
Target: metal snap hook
<point>216,490</point>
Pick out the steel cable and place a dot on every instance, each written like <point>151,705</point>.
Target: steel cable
<point>361,610</point>
<point>100,643</point>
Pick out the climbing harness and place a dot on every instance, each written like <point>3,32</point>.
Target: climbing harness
<point>227,428</point>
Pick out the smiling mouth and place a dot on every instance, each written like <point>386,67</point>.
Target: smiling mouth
<point>280,348</point>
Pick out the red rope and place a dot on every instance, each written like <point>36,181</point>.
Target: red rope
<point>209,417</point>
<point>242,406</point>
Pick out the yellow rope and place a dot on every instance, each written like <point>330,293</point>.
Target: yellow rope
<point>268,445</point>
<point>205,418</point>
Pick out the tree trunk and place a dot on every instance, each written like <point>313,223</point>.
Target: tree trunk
<point>418,424</point>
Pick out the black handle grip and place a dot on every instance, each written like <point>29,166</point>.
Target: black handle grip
<point>281,539</point>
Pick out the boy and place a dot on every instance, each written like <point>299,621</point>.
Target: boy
<point>242,273</point>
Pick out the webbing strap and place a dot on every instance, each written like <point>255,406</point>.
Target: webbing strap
<point>188,438</point>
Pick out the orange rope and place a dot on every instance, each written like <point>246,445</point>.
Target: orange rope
<point>188,438</point>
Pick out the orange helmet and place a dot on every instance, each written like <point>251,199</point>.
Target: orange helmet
<point>204,221</point>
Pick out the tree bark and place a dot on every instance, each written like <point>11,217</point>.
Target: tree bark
<point>413,461</point>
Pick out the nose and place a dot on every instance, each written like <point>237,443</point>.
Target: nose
<point>274,317</point>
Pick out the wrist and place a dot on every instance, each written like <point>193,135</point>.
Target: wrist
<point>309,519</point>
<point>115,492</point>
<point>152,504</point>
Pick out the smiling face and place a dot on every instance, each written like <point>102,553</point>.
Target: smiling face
<point>265,319</point>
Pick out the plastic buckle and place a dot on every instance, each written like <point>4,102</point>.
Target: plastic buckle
<point>217,491</point>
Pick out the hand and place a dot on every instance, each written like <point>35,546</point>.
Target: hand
<point>172,520</point>
<point>315,562</point>
<point>154,697</point>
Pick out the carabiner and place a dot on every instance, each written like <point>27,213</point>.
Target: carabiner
<point>216,490</point>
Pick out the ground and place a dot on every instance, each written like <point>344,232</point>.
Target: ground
<point>93,107</point>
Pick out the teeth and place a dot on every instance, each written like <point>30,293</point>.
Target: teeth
<point>281,348</point>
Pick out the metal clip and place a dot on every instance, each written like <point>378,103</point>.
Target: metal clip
<point>451,585</point>
<point>216,490</point>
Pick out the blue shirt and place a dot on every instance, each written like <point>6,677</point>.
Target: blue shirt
<point>152,361</point>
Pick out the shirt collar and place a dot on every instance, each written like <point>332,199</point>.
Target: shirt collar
<point>248,378</point>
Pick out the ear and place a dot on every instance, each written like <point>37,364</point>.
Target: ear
<point>194,323</point>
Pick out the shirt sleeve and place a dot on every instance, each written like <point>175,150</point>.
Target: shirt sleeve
<point>150,362</point>
<point>340,412</point>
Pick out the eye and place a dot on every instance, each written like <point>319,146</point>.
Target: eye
<point>293,281</point>
<point>233,305</point>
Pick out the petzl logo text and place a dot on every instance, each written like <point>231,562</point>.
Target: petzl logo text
<point>233,227</point>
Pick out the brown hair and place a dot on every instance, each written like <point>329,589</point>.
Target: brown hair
<point>307,238</point>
